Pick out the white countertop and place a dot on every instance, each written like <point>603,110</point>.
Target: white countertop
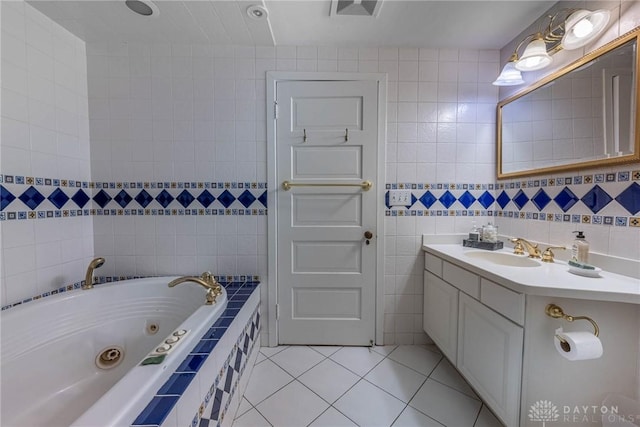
<point>549,279</point>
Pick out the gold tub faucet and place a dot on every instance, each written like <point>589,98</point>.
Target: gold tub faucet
<point>520,244</point>
<point>88,278</point>
<point>206,280</point>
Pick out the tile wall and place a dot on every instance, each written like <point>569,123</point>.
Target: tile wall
<point>196,114</point>
<point>177,115</point>
<point>45,133</point>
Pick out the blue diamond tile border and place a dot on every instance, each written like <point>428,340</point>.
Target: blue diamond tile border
<point>23,197</point>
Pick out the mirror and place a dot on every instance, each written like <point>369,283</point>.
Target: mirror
<point>582,116</point>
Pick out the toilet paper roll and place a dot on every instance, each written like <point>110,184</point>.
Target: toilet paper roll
<point>578,345</point>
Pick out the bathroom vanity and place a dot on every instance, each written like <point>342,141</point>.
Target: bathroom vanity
<point>486,312</point>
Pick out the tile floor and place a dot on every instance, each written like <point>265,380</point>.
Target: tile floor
<point>295,386</point>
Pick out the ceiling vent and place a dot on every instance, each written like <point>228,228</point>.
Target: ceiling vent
<point>355,7</point>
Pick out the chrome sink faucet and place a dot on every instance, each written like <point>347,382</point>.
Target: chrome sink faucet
<point>206,280</point>
<point>88,278</point>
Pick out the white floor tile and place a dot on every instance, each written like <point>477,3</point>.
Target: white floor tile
<point>412,418</point>
<point>384,349</point>
<point>487,419</point>
<point>397,379</point>
<point>294,405</point>
<point>329,380</point>
<point>416,357</point>
<point>266,379</point>
<point>326,350</point>
<point>251,419</point>
<point>448,375</point>
<point>357,359</point>
<point>244,407</point>
<point>367,405</point>
<point>270,351</point>
<point>446,405</point>
<point>260,358</point>
<point>297,359</point>
<point>332,418</point>
<point>432,347</point>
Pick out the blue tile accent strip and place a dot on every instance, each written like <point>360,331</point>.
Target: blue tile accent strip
<point>541,199</point>
<point>156,411</point>
<point>520,199</point>
<point>31,197</point>
<point>503,199</point>
<point>53,199</point>
<point>5,197</point>
<point>58,198</point>
<point>596,199</point>
<point>630,198</point>
<point>566,199</point>
<point>176,384</point>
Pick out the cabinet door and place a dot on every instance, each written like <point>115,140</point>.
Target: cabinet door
<point>440,319</point>
<point>490,357</point>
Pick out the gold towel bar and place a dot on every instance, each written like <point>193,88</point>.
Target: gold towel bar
<point>365,185</point>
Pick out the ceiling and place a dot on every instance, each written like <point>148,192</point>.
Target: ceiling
<point>415,23</point>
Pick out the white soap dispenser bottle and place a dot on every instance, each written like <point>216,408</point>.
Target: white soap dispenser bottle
<point>580,248</point>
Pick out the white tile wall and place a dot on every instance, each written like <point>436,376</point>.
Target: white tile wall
<point>202,116</point>
<point>165,112</point>
<point>45,133</point>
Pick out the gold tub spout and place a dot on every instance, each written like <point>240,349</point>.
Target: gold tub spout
<point>206,280</point>
<point>88,278</point>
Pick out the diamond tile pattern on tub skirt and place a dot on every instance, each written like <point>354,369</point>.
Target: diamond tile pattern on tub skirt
<point>229,377</point>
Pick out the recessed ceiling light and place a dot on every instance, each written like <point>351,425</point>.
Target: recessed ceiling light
<point>142,7</point>
<point>257,12</point>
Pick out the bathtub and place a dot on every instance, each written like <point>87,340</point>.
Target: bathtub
<point>53,375</point>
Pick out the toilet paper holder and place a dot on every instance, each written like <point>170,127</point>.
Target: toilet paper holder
<point>555,311</point>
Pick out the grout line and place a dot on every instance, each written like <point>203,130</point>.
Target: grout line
<point>455,389</point>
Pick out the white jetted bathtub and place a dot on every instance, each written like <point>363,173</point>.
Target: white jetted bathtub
<point>75,358</point>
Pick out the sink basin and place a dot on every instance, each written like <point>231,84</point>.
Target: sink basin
<point>505,259</point>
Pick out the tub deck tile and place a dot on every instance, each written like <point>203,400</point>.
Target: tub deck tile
<point>192,363</point>
<point>176,384</point>
<point>214,334</point>
<point>205,346</point>
<point>156,411</point>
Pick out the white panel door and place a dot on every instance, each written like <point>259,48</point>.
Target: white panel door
<point>326,133</point>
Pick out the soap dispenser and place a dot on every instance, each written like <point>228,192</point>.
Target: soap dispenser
<point>580,248</point>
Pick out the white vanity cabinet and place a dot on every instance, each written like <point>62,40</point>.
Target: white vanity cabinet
<point>490,357</point>
<point>483,344</point>
<point>440,319</point>
<point>489,319</point>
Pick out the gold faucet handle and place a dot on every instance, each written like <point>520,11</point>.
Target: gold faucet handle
<point>518,248</point>
<point>547,255</point>
<point>208,278</point>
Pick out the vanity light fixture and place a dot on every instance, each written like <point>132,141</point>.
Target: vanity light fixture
<point>535,56</point>
<point>583,26</point>
<point>510,75</point>
<point>579,28</point>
